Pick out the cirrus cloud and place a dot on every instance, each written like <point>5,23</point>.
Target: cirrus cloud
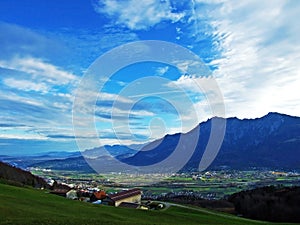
<point>139,15</point>
<point>258,69</point>
<point>39,69</point>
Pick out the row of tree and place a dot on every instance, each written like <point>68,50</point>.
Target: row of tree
<point>276,204</point>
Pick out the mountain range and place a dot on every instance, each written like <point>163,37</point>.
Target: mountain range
<point>272,141</point>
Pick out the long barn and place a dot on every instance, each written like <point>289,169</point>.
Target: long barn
<point>128,196</point>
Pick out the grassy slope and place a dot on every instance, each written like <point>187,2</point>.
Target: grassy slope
<point>29,206</point>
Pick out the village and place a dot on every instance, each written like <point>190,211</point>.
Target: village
<point>126,198</point>
<point>210,185</point>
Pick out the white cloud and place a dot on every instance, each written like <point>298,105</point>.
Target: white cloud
<point>192,67</point>
<point>200,88</point>
<point>259,67</point>
<point>34,95</point>
<point>162,70</point>
<point>23,136</point>
<point>40,70</point>
<point>17,98</point>
<point>86,99</point>
<point>138,15</point>
<point>188,82</point>
<point>26,85</point>
<point>40,112</point>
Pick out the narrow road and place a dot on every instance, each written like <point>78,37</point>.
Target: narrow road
<point>168,204</point>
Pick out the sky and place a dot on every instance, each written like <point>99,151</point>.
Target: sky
<point>251,50</point>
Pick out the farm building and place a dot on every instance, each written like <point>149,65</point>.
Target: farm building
<point>72,194</point>
<point>128,196</point>
<point>98,195</point>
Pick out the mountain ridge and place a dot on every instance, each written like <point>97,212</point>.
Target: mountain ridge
<point>270,141</point>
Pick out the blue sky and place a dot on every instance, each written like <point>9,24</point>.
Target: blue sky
<point>252,49</point>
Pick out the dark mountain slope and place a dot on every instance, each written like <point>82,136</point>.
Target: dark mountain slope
<point>271,141</point>
<point>19,177</point>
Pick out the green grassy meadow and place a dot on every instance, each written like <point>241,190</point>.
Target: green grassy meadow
<point>29,206</point>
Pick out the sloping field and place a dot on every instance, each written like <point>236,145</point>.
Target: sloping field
<point>30,206</point>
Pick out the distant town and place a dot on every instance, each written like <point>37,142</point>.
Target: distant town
<point>211,185</point>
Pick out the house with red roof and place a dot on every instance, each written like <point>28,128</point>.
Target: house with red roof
<point>98,195</point>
